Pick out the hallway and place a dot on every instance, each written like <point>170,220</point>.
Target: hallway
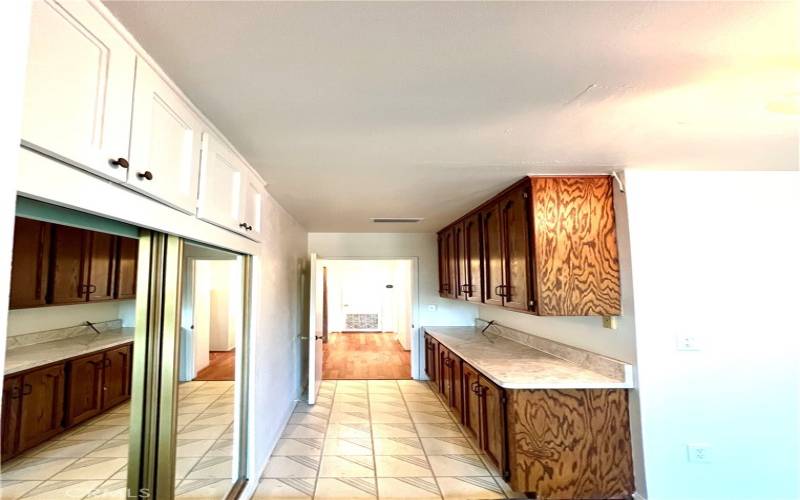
<point>385,439</point>
<point>359,356</point>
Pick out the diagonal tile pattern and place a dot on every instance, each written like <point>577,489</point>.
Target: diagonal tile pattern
<point>387,439</point>
<point>90,460</point>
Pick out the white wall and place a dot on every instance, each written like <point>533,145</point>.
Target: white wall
<point>715,256</point>
<point>38,319</point>
<point>280,293</point>
<point>421,245</point>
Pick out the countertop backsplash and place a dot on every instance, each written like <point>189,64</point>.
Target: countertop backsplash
<point>27,339</point>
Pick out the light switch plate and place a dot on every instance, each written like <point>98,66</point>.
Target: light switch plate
<point>432,307</point>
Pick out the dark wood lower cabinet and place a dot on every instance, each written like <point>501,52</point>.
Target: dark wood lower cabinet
<point>42,406</point>
<point>84,388</point>
<point>116,376</point>
<point>430,357</point>
<point>42,402</point>
<point>548,443</point>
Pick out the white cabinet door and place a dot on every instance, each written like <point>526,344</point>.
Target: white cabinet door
<point>220,197</point>
<point>165,142</point>
<point>252,199</point>
<point>78,89</point>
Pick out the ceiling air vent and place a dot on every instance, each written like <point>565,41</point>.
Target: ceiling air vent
<point>396,219</point>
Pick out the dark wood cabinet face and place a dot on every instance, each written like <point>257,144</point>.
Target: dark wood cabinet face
<point>459,261</point>
<point>493,422</point>
<point>516,248</point>
<point>68,266</point>
<point>471,410</point>
<point>430,357</point>
<point>102,262</point>
<point>127,260</point>
<point>456,385</point>
<point>30,263</point>
<point>492,255</point>
<point>84,388</point>
<point>116,376</point>
<point>42,405</point>
<point>450,263</point>
<point>12,396</point>
<point>473,267</point>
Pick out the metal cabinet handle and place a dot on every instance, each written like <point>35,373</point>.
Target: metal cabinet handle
<point>27,389</point>
<point>92,288</point>
<point>243,225</point>
<point>119,162</point>
<point>15,393</point>
<point>249,227</point>
<point>145,175</point>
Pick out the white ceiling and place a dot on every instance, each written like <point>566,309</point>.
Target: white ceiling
<point>359,110</point>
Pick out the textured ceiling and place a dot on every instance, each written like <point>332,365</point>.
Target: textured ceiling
<point>359,110</point>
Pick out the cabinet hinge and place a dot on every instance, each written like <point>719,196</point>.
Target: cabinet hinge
<point>524,195</point>
<point>503,399</point>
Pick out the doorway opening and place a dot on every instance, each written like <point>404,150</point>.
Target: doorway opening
<point>367,318</point>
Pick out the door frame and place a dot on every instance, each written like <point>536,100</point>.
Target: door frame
<point>417,354</point>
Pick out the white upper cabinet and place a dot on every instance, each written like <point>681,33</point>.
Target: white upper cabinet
<point>221,175</point>
<point>78,89</point>
<point>165,142</point>
<point>252,200</point>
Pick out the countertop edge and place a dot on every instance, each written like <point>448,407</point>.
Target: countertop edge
<point>625,384</point>
<point>111,344</point>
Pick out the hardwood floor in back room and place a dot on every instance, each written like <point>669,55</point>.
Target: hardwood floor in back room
<point>361,356</point>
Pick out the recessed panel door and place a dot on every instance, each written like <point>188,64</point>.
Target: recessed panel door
<point>516,249</point>
<point>472,259</point>
<point>41,406</point>
<point>78,90</point>
<point>492,255</point>
<point>221,177</point>
<point>102,265</point>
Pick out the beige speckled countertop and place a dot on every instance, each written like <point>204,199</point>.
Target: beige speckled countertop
<point>31,356</point>
<point>513,365</point>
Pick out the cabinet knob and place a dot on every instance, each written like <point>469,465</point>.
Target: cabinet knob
<point>243,225</point>
<point>145,175</point>
<point>249,227</point>
<point>119,162</point>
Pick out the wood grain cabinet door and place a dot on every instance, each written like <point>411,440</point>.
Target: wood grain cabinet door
<point>84,388</point>
<point>79,86</point>
<point>12,395</point>
<point>42,405</point>
<point>30,263</point>
<point>68,265</point>
<point>492,255</point>
<point>442,267</point>
<point>430,354</point>
<point>450,263</point>
<point>126,268</point>
<point>459,261</point>
<point>102,265</point>
<point>473,268</point>
<point>443,373</point>
<point>493,422</point>
<point>456,387</point>
<point>575,240</point>
<point>116,376</point>
<point>516,249</point>
<point>471,411</point>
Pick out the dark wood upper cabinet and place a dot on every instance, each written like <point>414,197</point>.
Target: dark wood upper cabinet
<point>12,397</point>
<point>545,245</point>
<point>516,249</point>
<point>459,261</point>
<point>41,406</point>
<point>30,263</point>
<point>492,255</point>
<point>102,263</point>
<point>84,388</point>
<point>127,260</point>
<point>55,265</point>
<point>575,243</point>
<point>68,266</point>
<point>473,265</point>
<point>116,375</point>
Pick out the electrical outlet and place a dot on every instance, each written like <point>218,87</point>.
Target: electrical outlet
<point>687,342</point>
<point>432,307</point>
<point>699,453</point>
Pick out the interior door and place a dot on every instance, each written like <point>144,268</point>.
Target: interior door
<point>314,331</point>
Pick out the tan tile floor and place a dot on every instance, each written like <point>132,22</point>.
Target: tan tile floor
<point>387,439</point>
<point>90,461</point>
